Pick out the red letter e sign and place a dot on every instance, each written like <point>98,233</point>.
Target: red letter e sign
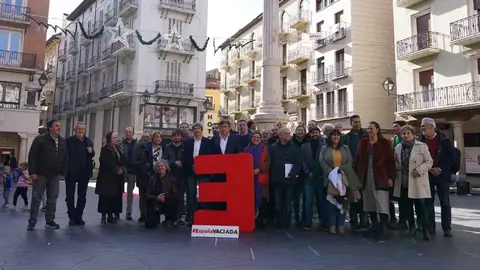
<point>237,192</point>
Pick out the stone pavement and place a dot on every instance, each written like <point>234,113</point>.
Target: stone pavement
<point>129,245</point>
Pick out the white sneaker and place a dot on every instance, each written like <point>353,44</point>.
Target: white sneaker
<point>26,207</point>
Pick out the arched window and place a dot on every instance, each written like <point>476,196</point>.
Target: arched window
<point>282,20</point>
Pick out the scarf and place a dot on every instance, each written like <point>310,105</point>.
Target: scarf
<point>405,161</point>
<point>256,152</point>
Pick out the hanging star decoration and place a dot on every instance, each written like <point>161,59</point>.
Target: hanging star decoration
<point>174,40</point>
<point>119,33</point>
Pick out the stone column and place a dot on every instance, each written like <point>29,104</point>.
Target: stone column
<point>459,143</point>
<point>270,109</point>
<point>23,151</point>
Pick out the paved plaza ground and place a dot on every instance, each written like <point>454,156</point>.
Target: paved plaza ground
<point>129,245</point>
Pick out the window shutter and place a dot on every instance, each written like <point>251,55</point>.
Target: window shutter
<point>426,77</point>
<point>169,25</point>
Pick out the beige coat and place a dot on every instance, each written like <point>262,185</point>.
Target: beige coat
<point>420,159</point>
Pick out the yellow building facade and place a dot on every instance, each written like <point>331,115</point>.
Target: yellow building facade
<point>212,116</point>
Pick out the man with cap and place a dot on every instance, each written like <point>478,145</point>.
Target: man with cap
<point>47,164</point>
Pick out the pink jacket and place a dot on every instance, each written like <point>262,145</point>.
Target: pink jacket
<point>23,179</point>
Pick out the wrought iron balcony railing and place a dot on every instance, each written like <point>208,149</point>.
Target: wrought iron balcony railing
<point>465,28</point>
<point>80,101</point>
<point>339,70</point>
<point>124,4</point>
<point>188,5</point>
<point>429,97</point>
<point>14,13</point>
<point>175,88</point>
<point>120,86</point>
<point>418,43</point>
<point>92,97</point>
<point>105,92</point>
<point>299,54</point>
<point>186,46</point>
<point>17,59</point>
<point>296,90</point>
<point>301,16</point>
<point>72,47</point>
<point>320,76</point>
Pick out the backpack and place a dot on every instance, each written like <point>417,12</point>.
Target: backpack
<point>457,155</point>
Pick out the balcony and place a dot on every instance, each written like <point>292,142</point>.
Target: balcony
<point>466,31</point>
<point>319,77</point>
<point>83,69</point>
<point>250,50</point>
<point>300,20</point>
<point>105,92</point>
<point>57,109</point>
<point>408,3</point>
<point>107,57</point>
<point>119,49</point>
<point>92,98</point>
<point>184,46</point>
<point>93,63</point>
<point>225,88</point>
<point>184,6</point>
<point>13,13</point>
<point>259,41</point>
<point>67,106</point>
<point>285,65</point>
<point>235,58</point>
<point>127,8</point>
<point>248,76</point>
<point>248,105</point>
<point>285,30</point>
<point>111,17</point>
<point>170,88</point>
<point>339,70</point>
<point>235,83</point>
<point>62,55</point>
<point>60,81</point>
<point>430,99</point>
<point>17,60</point>
<point>420,46</point>
<point>258,70</point>
<point>81,101</point>
<point>320,114</point>
<point>299,55</point>
<point>297,91</point>
<point>71,76</point>
<point>84,41</point>
<point>234,109</point>
<point>122,87</point>
<point>73,48</point>
<point>338,32</point>
<point>224,61</point>
<point>320,40</point>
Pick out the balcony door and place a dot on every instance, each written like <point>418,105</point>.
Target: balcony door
<point>303,81</point>
<point>10,47</point>
<point>284,54</point>
<point>339,63</point>
<point>423,28</point>
<point>330,104</point>
<point>426,82</point>
<point>284,88</point>
<point>320,69</point>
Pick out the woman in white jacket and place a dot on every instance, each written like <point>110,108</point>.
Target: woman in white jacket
<point>412,186</point>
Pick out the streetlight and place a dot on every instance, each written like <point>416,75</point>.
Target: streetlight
<point>145,97</point>
<point>42,80</point>
<point>207,106</point>
<point>389,86</point>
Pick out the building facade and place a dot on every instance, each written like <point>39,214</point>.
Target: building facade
<point>212,92</point>
<point>101,84</point>
<point>333,62</point>
<point>438,67</point>
<point>48,92</point>
<point>22,52</point>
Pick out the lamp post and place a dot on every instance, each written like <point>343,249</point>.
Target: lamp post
<point>42,80</point>
<point>207,106</point>
<point>389,86</point>
<point>145,98</point>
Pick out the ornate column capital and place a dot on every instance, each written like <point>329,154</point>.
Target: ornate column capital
<point>23,135</point>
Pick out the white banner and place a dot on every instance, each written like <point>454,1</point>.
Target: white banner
<point>317,36</point>
<point>215,231</point>
<point>472,160</point>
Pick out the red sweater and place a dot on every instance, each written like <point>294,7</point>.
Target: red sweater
<point>433,147</point>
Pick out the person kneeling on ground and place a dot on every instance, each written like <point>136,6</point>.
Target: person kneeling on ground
<point>162,194</point>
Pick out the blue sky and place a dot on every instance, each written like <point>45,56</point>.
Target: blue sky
<point>225,17</point>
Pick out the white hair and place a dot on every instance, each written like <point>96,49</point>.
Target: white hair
<point>327,126</point>
<point>79,124</point>
<point>161,161</point>
<point>283,130</point>
<point>429,121</point>
<point>129,129</point>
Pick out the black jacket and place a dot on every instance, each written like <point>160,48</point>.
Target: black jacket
<point>44,159</point>
<point>234,145</point>
<point>176,153</point>
<point>144,163</point>
<point>80,162</point>
<point>281,154</point>
<point>444,157</point>
<point>205,149</point>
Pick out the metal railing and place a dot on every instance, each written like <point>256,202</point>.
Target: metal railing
<point>120,86</point>
<point>339,70</point>
<point>184,4</point>
<point>300,52</point>
<point>285,28</point>
<point>185,44</point>
<point>321,42</point>
<point>14,13</point>
<point>110,15</point>
<point>72,47</point>
<point>465,27</point>
<point>429,97</point>
<point>125,3</point>
<point>299,16</point>
<point>419,42</point>
<point>105,92</point>
<point>338,31</point>
<point>320,76</point>
<point>17,59</point>
<point>80,101</point>
<point>297,89</point>
<point>175,88</point>
<point>117,46</point>
<point>92,97</point>
<point>247,104</point>
<point>248,74</point>
<point>256,101</point>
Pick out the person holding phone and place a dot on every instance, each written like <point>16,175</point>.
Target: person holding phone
<point>162,197</point>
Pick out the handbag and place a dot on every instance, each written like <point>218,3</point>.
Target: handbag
<point>332,190</point>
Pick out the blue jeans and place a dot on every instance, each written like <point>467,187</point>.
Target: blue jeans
<point>335,218</point>
<point>314,190</point>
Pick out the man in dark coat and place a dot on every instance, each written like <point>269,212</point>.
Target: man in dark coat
<point>441,150</point>
<point>80,166</point>
<point>129,147</point>
<point>47,163</point>
<point>285,166</point>
<point>176,151</point>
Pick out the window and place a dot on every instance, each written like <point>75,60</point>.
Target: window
<point>321,63</point>
<point>31,98</point>
<point>284,88</point>
<point>338,17</point>
<point>178,25</point>
<point>303,115</point>
<point>210,99</point>
<point>10,94</point>
<point>238,101</point>
<point>284,54</point>
<point>68,127</point>
<point>81,118</point>
<point>319,5</point>
<point>91,126</point>
<point>330,105</point>
<point>319,100</point>
<point>303,81</point>
<point>167,117</point>
<point>320,26</point>
<point>342,102</point>
<point>173,73</point>
<point>9,41</point>
<point>425,79</point>
<point>476,5</point>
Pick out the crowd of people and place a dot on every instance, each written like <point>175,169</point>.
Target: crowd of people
<point>358,174</point>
